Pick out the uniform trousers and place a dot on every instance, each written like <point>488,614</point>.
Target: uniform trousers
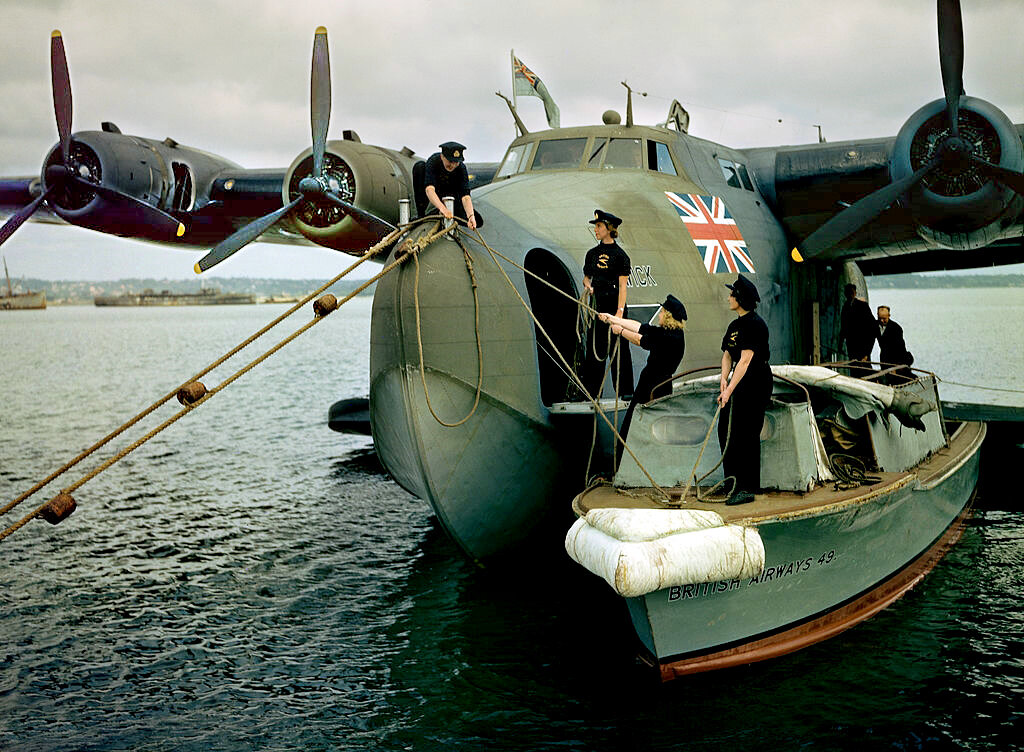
<point>742,459</point>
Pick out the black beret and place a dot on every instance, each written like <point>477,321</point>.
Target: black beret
<point>743,289</point>
<point>675,306</point>
<point>452,151</point>
<point>607,217</point>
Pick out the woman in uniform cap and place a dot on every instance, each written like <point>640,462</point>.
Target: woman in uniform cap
<point>666,343</point>
<point>745,388</point>
<point>605,271</point>
<point>445,174</point>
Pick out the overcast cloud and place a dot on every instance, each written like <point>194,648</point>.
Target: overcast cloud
<point>233,78</point>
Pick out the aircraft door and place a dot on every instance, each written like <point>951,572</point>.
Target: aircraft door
<point>557,315</point>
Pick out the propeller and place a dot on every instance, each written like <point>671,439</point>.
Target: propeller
<point>59,176</point>
<point>952,153</point>
<point>314,187</point>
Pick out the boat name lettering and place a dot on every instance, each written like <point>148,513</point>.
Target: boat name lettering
<point>700,589</point>
<point>641,277</point>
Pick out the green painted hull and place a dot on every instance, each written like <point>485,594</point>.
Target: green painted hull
<point>496,478</point>
<point>816,565</point>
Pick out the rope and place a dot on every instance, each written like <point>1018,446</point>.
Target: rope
<point>977,386</point>
<point>132,421</point>
<point>400,257</point>
<point>850,471</point>
<point>476,324</point>
<point>597,407</point>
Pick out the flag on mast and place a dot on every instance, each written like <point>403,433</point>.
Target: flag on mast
<point>528,84</point>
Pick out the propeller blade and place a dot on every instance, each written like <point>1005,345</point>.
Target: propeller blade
<point>856,216</point>
<point>320,98</point>
<point>61,82</point>
<point>242,237</point>
<point>1009,178</point>
<point>19,217</point>
<point>951,58</point>
<point>134,211</point>
<point>371,222</point>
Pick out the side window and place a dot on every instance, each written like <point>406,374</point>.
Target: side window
<point>514,162</point>
<point>744,176</point>
<point>659,158</point>
<point>729,171</point>
<point>624,153</point>
<point>561,153</point>
<point>736,174</point>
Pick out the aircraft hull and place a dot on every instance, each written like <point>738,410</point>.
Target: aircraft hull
<point>495,478</point>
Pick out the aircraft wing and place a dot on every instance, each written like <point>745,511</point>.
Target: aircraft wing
<point>17,193</point>
<point>810,185</point>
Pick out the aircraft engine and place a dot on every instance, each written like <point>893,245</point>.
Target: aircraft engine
<point>110,183</point>
<point>371,178</point>
<point>957,205</point>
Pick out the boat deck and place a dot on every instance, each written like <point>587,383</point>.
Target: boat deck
<point>784,504</point>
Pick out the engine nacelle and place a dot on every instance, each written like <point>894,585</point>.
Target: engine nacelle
<point>957,206</point>
<point>163,174</point>
<point>115,161</point>
<point>370,177</point>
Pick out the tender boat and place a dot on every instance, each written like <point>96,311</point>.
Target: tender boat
<point>868,488</point>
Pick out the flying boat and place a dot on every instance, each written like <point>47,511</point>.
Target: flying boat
<point>471,405</point>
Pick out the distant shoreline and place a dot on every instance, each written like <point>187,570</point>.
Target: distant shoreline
<point>84,292</point>
<point>933,282</point>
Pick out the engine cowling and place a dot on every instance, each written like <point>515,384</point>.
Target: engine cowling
<point>956,206</point>
<point>369,177</point>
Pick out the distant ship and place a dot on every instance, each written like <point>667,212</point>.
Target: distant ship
<point>206,296</point>
<point>10,300</point>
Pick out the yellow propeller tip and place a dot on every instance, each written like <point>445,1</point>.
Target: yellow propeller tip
<point>321,29</point>
<point>181,229</point>
<point>56,33</point>
<point>795,255</point>
<point>196,268</point>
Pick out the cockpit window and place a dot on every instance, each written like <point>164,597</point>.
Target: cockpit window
<point>559,154</point>
<point>515,161</point>
<point>598,154</point>
<point>623,153</point>
<point>659,158</point>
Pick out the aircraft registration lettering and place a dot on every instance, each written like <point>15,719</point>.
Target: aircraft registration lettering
<point>714,232</point>
<point>641,277</point>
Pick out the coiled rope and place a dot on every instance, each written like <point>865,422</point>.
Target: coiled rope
<point>476,326</point>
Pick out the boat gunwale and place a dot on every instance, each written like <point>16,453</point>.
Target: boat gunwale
<point>961,446</point>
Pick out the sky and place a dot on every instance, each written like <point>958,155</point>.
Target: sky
<point>232,78</point>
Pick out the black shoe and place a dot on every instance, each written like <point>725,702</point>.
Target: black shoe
<point>740,497</point>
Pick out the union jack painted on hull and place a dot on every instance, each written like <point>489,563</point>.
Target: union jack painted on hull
<point>714,232</point>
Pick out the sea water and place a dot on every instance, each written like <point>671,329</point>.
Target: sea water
<point>250,580</point>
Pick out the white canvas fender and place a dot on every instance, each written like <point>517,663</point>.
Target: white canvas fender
<point>662,548</point>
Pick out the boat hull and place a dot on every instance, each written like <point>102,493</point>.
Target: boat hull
<point>23,301</point>
<point>825,571</point>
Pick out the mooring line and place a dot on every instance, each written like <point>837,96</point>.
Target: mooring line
<point>323,307</point>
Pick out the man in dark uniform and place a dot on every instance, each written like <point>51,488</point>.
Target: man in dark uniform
<point>892,348</point>
<point>666,344</point>
<point>606,269</point>
<point>744,396</point>
<point>445,174</point>
<point>858,328</point>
